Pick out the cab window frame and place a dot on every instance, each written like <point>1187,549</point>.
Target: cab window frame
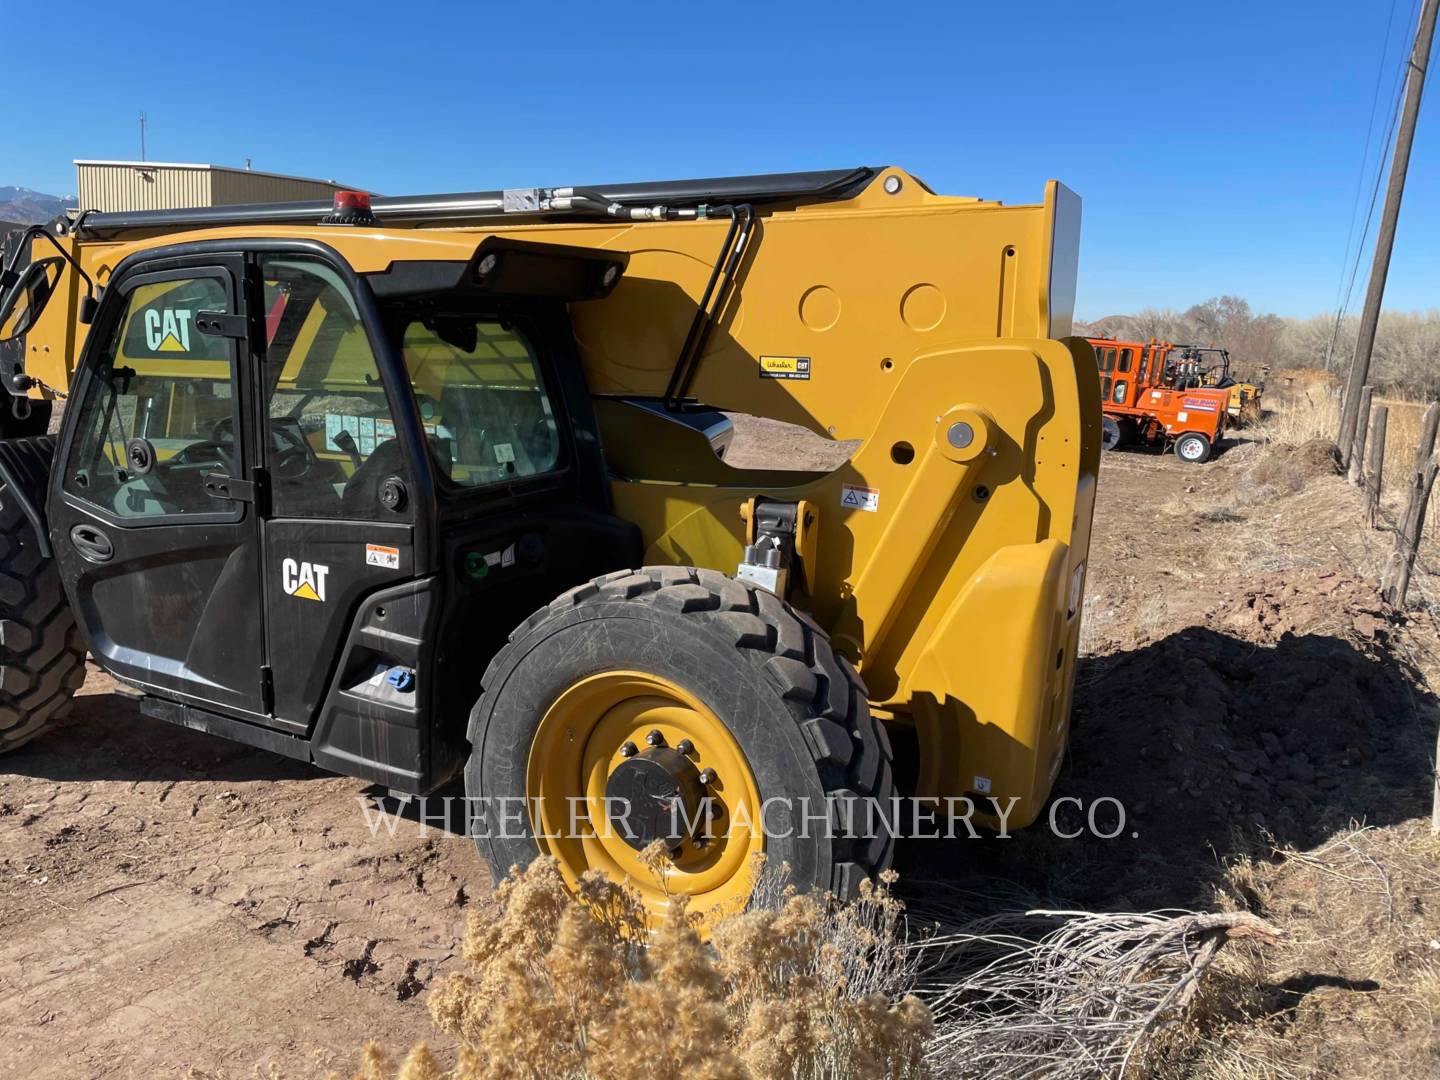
<point>107,333</point>
<point>348,288</point>
<point>531,327</point>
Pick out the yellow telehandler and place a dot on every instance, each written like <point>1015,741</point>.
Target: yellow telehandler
<point>416,487</point>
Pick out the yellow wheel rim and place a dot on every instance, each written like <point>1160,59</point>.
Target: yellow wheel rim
<point>576,748</point>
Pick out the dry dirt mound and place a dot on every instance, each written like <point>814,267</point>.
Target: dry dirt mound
<point>1283,469</point>
<point>1278,718</point>
<point>1285,714</point>
<point>1308,602</point>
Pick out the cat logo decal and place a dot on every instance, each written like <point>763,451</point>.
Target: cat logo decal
<point>304,579</point>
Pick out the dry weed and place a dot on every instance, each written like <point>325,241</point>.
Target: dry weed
<point>562,988</point>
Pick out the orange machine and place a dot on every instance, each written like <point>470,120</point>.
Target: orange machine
<point>1152,393</point>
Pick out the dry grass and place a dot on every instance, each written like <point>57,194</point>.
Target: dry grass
<point>1313,412</point>
<point>1355,979</point>
<point>1309,417</point>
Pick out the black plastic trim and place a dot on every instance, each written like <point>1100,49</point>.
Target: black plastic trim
<point>263,738</point>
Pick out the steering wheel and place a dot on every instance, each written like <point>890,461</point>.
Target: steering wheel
<point>291,455</point>
<point>220,446</point>
<point>203,452</point>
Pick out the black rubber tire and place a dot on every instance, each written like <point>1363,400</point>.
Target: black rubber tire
<point>42,656</point>
<point>1197,456</point>
<point>1111,436</point>
<point>797,710</point>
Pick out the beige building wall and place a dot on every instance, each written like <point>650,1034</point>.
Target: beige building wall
<point>111,186</point>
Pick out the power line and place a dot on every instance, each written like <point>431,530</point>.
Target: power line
<point>1345,291</point>
<point>1365,154</point>
<point>1415,70</point>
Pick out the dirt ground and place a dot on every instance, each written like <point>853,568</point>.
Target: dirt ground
<point>172,904</point>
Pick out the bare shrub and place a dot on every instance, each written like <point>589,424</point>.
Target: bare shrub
<point>1086,1000</point>
<point>804,989</point>
<point>556,987</point>
<point>1403,362</point>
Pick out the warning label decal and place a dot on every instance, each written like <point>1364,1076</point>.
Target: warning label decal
<point>380,555</point>
<point>785,367</point>
<point>860,498</point>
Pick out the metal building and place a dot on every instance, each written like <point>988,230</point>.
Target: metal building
<point>158,185</point>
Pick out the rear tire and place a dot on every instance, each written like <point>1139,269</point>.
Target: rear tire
<point>1110,433</point>
<point>1193,447</point>
<point>743,658</point>
<point>42,656</point>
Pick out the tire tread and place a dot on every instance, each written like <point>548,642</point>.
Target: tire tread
<point>42,655</point>
<point>824,694</point>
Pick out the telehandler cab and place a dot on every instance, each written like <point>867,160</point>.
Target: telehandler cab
<point>420,486</point>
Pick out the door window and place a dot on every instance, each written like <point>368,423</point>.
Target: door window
<point>159,410</point>
<point>331,441</point>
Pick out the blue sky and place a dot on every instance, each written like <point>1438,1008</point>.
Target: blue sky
<point>1217,146</point>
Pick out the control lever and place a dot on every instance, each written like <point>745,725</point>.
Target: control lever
<point>346,442</point>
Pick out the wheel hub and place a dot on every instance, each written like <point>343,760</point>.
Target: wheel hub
<point>654,795</point>
<point>637,736</point>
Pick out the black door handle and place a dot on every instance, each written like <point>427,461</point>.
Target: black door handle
<point>92,543</point>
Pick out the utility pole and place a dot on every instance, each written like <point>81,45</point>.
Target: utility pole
<point>142,136</point>
<point>1399,163</point>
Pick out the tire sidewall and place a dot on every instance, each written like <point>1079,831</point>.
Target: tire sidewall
<point>598,637</point>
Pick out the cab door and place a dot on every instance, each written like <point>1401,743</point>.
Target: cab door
<point>152,512</point>
<point>333,446</point>
<point>1122,389</point>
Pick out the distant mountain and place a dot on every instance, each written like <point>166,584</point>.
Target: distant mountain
<point>32,207</point>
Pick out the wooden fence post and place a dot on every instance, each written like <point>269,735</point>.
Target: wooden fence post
<point>1362,423</point>
<point>1396,581</point>
<point>1375,467</point>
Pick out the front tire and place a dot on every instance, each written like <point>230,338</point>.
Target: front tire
<point>42,656</point>
<point>1193,447</point>
<point>1110,434</point>
<point>688,655</point>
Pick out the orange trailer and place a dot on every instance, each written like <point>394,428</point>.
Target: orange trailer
<point>1150,395</point>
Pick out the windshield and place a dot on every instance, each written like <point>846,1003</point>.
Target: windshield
<point>479,388</point>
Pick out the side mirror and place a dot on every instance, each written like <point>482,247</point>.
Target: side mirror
<point>22,304</point>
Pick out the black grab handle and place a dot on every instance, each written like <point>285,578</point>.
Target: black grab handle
<point>92,543</point>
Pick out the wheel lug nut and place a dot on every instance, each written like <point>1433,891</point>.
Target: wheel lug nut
<point>685,746</point>
<point>708,777</point>
<point>628,750</point>
<point>655,739</point>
